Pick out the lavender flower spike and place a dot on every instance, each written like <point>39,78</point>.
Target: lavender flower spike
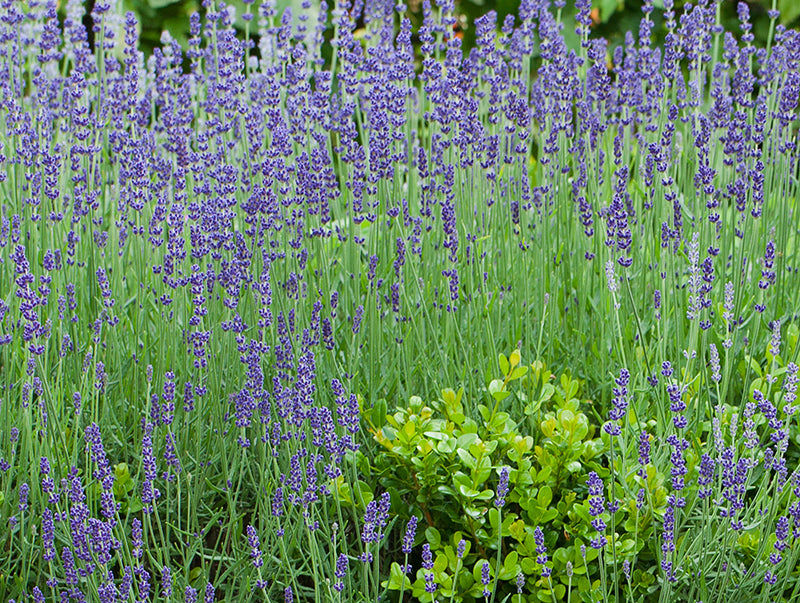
<point>502,488</point>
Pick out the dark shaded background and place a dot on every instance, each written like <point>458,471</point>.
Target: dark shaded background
<point>612,17</point>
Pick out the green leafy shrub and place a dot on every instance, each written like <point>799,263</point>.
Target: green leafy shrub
<point>446,466</point>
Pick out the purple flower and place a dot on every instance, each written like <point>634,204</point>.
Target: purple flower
<point>188,397</point>
<point>502,488</point>
<point>611,278</point>
<point>679,469</point>
<point>144,583</point>
<point>541,552</point>
<point>644,451</point>
<point>707,472</point>
<point>24,489</point>
<point>48,535</point>
<point>136,538</point>
<point>408,539</point>
<point>427,557</point>
<point>767,272</point>
<point>149,492</point>
<point>596,508</point>
<point>340,572</point>
<point>427,565</point>
<point>277,502</point>
<point>401,257</point>
<point>105,288</point>
<point>255,550</point>
<point>619,403</point>
<point>47,482</point>
<point>782,536</point>
<point>486,579</point>
<point>694,304</point>
<point>100,377</point>
<point>375,518</point>
<point>775,341</point>
<point>357,319</point>
<point>790,388</point>
<point>166,582</point>
<point>714,360</point>
<point>583,9</point>
<point>384,504</point>
<point>676,404</point>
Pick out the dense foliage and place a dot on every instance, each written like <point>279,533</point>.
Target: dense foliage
<point>610,18</point>
<point>256,297</point>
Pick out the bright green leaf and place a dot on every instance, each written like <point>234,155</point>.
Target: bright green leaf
<point>433,537</point>
<point>503,365</point>
<point>545,496</point>
<point>447,446</point>
<point>466,458</point>
<point>548,389</point>
<point>379,412</point>
<point>510,562</point>
<point>519,372</point>
<point>574,467</point>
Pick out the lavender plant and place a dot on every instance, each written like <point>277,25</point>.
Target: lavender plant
<point>210,274</point>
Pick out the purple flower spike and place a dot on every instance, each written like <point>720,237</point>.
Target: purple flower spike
<point>427,565</point>
<point>408,539</point>
<point>596,508</point>
<point>541,552</point>
<point>255,550</point>
<point>619,403</point>
<point>502,488</point>
<point>166,582</point>
<point>486,579</point>
<point>767,272</point>
<point>340,573</point>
